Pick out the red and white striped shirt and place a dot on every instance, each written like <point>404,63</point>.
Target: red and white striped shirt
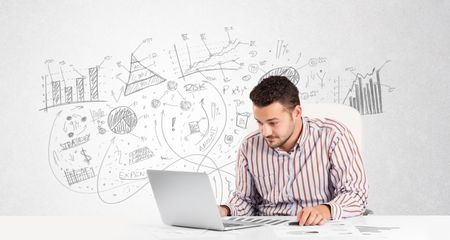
<point>324,167</point>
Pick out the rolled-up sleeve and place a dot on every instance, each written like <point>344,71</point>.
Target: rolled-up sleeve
<point>348,177</point>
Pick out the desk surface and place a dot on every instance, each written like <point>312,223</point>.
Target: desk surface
<point>80,228</point>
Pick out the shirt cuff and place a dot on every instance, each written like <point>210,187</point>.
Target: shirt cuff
<point>336,210</point>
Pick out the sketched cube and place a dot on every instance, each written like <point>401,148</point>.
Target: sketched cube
<point>194,127</point>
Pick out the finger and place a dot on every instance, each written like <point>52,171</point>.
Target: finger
<point>311,219</point>
<point>323,221</point>
<point>318,219</point>
<point>299,215</point>
<point>305,216</point>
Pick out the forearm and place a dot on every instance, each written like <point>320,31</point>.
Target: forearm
<point>240,206</point>
<point>245,198</point>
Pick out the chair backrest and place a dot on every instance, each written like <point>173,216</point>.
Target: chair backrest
<point>348,116</point>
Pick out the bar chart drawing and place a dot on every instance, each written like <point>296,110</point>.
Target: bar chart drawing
<point>93,82</point>
<point>62,91</point>
<point>365,94</point>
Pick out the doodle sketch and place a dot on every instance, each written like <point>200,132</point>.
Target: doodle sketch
<point>181,105</point>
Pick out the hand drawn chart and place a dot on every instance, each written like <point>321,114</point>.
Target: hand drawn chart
<point>177,106</point>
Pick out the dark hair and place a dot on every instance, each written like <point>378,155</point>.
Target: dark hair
<point>275,89</point>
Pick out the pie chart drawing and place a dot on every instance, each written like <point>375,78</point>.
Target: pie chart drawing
<point>122,120</point>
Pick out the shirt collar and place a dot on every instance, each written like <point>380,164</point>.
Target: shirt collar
<point>304,134</point>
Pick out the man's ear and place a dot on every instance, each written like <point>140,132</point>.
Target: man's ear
<point>297,112</point>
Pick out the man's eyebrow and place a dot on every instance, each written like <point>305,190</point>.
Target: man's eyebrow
<point>268,120</point>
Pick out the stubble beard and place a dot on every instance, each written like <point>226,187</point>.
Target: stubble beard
<point>281,142</point>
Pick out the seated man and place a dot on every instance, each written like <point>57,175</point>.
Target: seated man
<point>295,165</point>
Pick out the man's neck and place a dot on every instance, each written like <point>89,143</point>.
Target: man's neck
<point>290,143</point>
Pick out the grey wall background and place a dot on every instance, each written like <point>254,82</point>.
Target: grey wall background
<point>405,147</point>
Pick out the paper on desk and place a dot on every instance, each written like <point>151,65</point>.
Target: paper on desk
<point>329,229</point>
<point>171,232</point>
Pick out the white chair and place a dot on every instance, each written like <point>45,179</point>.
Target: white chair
<point>349,116</point>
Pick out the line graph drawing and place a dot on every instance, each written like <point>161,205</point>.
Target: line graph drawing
<point>222,60</point>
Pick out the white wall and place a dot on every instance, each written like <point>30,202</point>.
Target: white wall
<point>405,145</point>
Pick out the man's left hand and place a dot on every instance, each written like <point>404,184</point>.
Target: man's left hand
<point>317,215</point>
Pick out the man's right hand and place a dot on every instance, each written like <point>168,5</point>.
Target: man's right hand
<point>224,211</point>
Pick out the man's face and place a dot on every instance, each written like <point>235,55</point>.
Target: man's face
<point>276,123</point>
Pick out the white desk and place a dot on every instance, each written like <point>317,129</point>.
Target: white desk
<point>80,228</point>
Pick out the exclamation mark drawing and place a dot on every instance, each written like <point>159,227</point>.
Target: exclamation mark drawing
<point>213,110</point>
<point>173,123</point>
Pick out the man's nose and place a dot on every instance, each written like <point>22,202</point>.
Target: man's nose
<point>266,130</point>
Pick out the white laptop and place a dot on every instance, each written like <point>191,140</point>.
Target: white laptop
<point>186,199</point>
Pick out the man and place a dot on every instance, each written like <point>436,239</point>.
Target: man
<point>295,165</point>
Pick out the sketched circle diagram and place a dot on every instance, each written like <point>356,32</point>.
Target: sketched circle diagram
<point>289,72</point>
<point>122,120</point>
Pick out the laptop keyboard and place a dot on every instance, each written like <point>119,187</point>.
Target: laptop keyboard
<point>266,221</point>
<point>226,224</point>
